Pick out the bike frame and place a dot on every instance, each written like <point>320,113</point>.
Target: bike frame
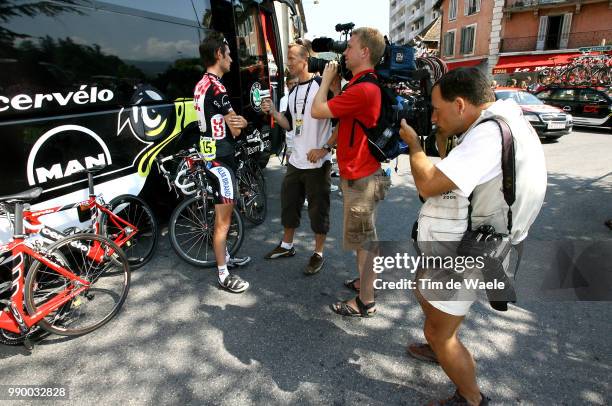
<point>33,225</point>
<point>17,320</point>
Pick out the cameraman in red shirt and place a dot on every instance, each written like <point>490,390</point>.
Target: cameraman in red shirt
<point>361,175</point>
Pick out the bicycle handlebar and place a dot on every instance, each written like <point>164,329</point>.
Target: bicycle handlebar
<point>186,188</point>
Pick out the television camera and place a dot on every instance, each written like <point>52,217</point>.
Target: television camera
<point>397,71</point>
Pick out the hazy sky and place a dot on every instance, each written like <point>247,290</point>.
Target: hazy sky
<point>321,18</point>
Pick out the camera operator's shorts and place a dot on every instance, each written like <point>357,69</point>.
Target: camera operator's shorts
<point>361,196</point>
<point>456,302</point>
<point>456,308</point>
<point>442,299</point>
<point>312,184</point>
<point>223,181</point>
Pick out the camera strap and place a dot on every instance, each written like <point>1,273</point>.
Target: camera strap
<point>369,78</point>
<point>508,170</point>
<point>508,181</point>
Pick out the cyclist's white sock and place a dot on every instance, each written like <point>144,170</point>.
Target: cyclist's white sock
<point>286,245</point>
<point>223,272</point>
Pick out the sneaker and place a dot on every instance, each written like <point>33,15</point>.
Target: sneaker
<point>458,400</point>
<point>279,252</point>
<point>335,174</point>
<point>333,188</point>
<point>234,284</point>
<point>237,261</point>
<point>314,265</point>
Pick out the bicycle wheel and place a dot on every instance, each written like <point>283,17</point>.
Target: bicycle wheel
<point>259,176</point>
<point>576,75</point>
<point>109,279</point>
<point>253,195</point>
<point>191,229</point>
<point>603,76</point>
<point>141,247</point>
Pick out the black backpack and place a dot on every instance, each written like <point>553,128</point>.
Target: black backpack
<point>383,138</point>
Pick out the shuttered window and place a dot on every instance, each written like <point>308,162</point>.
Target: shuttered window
<point>449,43</point>
<point>468,37</point>
<point>471,7</point>
<point>452,10</point>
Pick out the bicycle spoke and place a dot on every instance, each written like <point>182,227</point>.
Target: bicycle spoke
<point>98,302</point>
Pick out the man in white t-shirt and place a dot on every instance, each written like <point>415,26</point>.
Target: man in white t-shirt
<point>308,173</point>
<point>462,99</point>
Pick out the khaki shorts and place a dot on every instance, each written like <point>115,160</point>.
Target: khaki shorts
<point>361,196</point>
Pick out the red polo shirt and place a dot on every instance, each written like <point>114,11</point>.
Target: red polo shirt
<point>361,102</point>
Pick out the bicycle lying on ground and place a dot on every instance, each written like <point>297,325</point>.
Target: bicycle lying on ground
<point>72,286</point>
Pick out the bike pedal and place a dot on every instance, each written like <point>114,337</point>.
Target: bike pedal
<point>89,296</point>
<point>28,344</point>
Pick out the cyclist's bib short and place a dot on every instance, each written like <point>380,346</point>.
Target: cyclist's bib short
<point>223,181</point>
<point>220,172</point>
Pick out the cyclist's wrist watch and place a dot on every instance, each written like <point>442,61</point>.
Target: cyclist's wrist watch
<point>327,147</point>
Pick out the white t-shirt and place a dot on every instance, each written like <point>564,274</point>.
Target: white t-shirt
<point>482,149</point>
<point>314,133</point>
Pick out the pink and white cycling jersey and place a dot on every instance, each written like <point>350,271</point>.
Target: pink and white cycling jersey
<point>212,103</point>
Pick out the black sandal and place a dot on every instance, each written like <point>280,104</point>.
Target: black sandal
<point>350,283</point>
<point>363,310</point>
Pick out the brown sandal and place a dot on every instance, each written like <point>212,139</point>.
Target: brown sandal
<point>363,310</point>
<point>350,283</point>
<point>422,352</point>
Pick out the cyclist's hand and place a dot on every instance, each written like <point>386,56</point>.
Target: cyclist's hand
<point>237,121</point>
<point>316,154</point>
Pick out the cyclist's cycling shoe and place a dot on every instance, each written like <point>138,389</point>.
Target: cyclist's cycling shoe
<point>237,261</point>
<point>234,284</point>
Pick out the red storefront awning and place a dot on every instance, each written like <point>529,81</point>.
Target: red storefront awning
<point>531,63</point>
<point>464,64</point>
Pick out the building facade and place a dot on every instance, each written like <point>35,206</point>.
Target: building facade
<point>508,38</point>
<point>540,33</point>
<point>468,31</point>
<point>407,18</point>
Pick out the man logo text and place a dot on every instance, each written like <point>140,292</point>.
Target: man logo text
<point>56,171</point>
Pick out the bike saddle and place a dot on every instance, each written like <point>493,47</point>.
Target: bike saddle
<point>22,196</point>
<point>93,169</point>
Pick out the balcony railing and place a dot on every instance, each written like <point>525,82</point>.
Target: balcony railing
<point>533,3</point>
<point>576,40</point>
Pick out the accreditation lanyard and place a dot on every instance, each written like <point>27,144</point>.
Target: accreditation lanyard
<point>299,121</point>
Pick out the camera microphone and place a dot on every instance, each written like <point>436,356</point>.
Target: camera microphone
<point>344,27</point>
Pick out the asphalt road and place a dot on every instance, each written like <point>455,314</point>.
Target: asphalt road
<point>181,340</point>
